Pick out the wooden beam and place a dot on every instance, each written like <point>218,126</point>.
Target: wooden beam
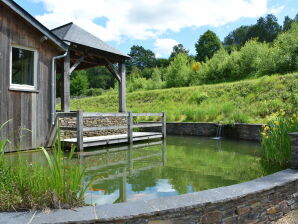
<point>122,87</point>
<point>110,67</point>
<point>65,98</point>
<point>76,64</point>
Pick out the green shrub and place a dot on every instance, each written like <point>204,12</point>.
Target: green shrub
<point>276,145</point>
<point>93,92</point>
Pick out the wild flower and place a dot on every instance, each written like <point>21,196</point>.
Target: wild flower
<point>276,146</point>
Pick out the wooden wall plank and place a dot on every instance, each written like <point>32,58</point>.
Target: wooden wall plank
<point>27,109</point>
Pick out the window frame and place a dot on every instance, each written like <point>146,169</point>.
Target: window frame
<point>23,87</point>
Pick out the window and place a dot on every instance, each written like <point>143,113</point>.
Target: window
<point>23,68</point>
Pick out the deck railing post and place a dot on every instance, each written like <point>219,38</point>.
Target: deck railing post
<point>164,125</point>
<point>80,126</point>
<point>130,127</point>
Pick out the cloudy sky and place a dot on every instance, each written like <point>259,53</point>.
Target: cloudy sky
<point>156,24</point>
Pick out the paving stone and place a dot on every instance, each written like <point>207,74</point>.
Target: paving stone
<point>65,215</point>
<point>15,217</point>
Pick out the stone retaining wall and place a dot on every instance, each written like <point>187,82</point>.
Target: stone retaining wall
<point>243,131</point>
<point>235,131</point>
<point>94,122</point>
<point>261,200</point>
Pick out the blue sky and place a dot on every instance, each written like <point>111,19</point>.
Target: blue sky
<point>156,24</point>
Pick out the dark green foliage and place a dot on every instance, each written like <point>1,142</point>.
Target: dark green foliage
<point>265,30</point>
<point>207,45</point>
<point>177,49</point>
<point>100,77</point>
<point>237,37</point>
<point>140,58</point>
<point>162,62</point>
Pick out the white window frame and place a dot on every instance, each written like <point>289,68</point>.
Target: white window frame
<point>21,87</point>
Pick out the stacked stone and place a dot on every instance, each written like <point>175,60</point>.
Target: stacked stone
<point>294,143</point>
<point>94,122</point>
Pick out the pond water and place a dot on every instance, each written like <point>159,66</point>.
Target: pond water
<point>157,169</point>
<point>178,166</point>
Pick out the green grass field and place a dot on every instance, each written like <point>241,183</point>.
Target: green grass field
<point>250,101</point>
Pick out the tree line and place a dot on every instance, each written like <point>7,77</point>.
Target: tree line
<point>260,49</point>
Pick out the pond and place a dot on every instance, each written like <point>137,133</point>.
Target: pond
<point>178,166</point>
<point>157,169</point>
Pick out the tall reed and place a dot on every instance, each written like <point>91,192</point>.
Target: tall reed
<point>276,145</point>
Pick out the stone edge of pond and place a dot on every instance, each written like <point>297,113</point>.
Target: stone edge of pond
<point>155,207</point>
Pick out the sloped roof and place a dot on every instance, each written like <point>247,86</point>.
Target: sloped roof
<point>31,20</point>
<point>75,34</point>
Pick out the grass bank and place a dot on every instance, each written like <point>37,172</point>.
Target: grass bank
<point>248,101</point>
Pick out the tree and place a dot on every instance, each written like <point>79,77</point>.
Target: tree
<point>287,23</point>
<point>178,72</point>
<point>177,49</point>
<point>79,83</point>
<point>266,29</point>
<point>140,58</point>
<point>237,37</point>
<point>100,77</point>
<point>207,45</point>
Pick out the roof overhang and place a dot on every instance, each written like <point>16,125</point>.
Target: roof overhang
<point>35,23</point>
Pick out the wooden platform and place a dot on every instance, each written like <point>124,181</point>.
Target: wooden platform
<point>113,139</point>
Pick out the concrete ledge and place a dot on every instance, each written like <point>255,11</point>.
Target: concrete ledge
<point>258,201</point>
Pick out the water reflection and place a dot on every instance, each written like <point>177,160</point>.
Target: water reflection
<point>113,166</point>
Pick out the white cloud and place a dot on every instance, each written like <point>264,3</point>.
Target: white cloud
<point>146,19</point>
<point>164,47</point>
<point>276,10</point>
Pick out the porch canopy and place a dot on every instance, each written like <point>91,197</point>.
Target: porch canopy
<point>87,51</point>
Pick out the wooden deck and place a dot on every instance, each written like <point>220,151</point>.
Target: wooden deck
<point>113,139</point>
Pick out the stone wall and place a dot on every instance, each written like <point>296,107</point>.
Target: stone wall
<point>235,131</point>
<point>261,200</point>
<point>94,122</point>
<point>243,131</point>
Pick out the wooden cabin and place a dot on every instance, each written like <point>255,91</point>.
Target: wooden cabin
<point>30,56</point>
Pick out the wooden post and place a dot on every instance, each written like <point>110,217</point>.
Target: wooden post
<point>65,97</point>
<point>122,87</point>
<point>164,125</point>
<point>130,128</point>
<point>164,150</point>
<point>80,126</point>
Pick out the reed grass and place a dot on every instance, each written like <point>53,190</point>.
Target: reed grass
<point>28,186</point>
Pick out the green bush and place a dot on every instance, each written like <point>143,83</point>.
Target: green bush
<point>276,145</point>
<point>93,92</point>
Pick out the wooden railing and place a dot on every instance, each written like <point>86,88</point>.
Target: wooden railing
<point>80,129</point>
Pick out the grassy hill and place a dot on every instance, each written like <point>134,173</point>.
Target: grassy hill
<point>248,101</point>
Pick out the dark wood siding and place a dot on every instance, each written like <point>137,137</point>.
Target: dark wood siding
<point>29,111</point>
